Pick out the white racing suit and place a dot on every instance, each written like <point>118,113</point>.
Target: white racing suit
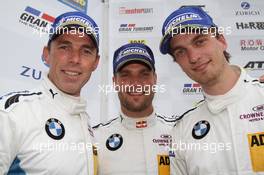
<point>45,131</point>
<point>134,146</point>
<point>224,135</point>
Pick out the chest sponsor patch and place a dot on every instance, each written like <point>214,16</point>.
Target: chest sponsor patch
<point>200,129</point>
<point>114,142</point>
<point>163,164</point>
<point>256,147</point>
<point>55,129</point>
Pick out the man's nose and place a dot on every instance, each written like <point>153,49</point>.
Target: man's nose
<point>75,56</point>
<point>193,55</point>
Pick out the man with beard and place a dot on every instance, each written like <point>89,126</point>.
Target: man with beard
<point>137,141</point>
<point>224,134</point>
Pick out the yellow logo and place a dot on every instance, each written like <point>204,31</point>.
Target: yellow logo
<point>256,145</point>
<point>163,164</point>
<point>142,41</point>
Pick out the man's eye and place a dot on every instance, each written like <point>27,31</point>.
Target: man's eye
<point>200,42</point>
<point>64,47</point>
<point>179,53</point>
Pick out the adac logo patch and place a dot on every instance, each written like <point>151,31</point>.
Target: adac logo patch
<point>114,142</point>
<point>200,129</point>
<point>55,129</point>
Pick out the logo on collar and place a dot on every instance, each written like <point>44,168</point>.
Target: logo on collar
<point>141,124</point>
<point>114,142</point>
<point>200,129</point>
<point>55,129</point>
<point>52,93</point>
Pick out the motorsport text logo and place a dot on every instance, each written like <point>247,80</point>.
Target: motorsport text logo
<point>250,25</point>
<point>247,10</point>
<point>192,89</point>
<point>36,19</point>
<point>132,28</point>
<point>254,65</point>
<point>252,45</point>
<point>130,11</point>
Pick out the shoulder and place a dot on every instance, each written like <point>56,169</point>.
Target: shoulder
<point>106,124</point>
<point>186,115</point>
<point>13,99</point>
<point>168,120</point>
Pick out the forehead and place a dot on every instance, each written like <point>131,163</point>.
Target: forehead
<point>76,37</point>
<point>186,38</point>
<point>135,66</point>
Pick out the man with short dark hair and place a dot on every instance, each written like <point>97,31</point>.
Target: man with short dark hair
<point>137,141</point>
<point>224,133</point>
<point>46,130</point>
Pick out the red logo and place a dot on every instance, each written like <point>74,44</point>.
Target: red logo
<point>141,124</point>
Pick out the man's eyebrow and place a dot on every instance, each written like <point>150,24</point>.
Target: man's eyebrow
<point>63,42</point>
<point>198,37</point>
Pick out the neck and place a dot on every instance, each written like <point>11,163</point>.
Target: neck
<point>224,82</point>
<point>138,114</point>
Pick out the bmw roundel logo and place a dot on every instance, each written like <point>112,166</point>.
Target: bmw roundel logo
<point>200,129</point>
<point>114,142</point>
<point>245,5</point>
<point>55,128</point>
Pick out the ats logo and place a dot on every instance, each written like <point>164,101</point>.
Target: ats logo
<point>130,11</point>
<point>255,65</point>
<point>132,28</point>
<point>257,115</point>
<point>246,10</point>
<point>192,89</point>
<point>250,25</point>
<point>252,45</point>
<point>36,19</point>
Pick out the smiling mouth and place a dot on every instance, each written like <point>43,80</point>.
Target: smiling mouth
<point>71,73</point>
<point>201,67</point>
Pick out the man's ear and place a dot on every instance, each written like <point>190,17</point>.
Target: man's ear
<point>155,78</point>
<point>45,55</point>
<point>222,40</point>
<point>96,62</point>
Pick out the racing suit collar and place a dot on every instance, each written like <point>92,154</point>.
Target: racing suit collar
<point>74,105</point>
<point>138,123</point>
<point>218,103</point>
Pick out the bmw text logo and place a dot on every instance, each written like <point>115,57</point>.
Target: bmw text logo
<point>200,129</point>
<point>114,142</point>
<point>55,129</point>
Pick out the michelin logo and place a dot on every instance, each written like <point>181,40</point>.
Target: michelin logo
<point>134,50</point>
<point>181,18</point>
<point>75,19</point>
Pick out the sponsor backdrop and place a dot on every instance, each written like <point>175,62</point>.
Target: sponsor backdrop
<point>23,32</point>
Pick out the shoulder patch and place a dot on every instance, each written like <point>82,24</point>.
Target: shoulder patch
<point>105,124</point>
<point>10,100</point>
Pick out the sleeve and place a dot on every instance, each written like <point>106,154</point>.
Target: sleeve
<point>7,142</point>
<point>178,164</point>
